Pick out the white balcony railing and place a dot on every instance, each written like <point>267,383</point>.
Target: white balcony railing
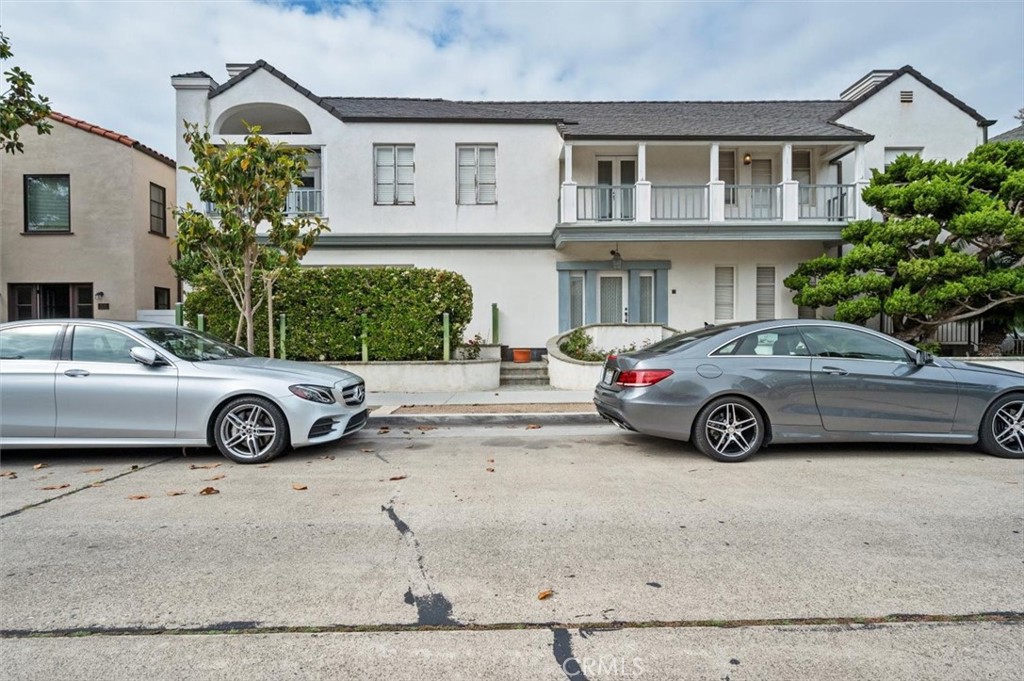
<point>299,201</point>
<point>606,202</point>
<point>753,202</point>
<point>683,202</point>
<point>826,201</point>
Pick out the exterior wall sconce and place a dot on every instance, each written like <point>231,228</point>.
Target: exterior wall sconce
<point>746,159</point>
<point>98,296</point>
<point>616,259</point>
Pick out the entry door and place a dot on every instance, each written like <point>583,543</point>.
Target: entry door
<point>764,189</point>
<point>616,180</point>
<point>612,292</point>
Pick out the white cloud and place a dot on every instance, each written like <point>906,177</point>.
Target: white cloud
<point>111,62</point>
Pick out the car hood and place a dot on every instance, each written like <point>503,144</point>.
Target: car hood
<point>985,368</point>
<point>280,369</point>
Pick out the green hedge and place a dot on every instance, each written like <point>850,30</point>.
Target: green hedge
<point>324,308</point>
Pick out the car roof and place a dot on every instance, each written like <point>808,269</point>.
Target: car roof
<point>128,324</point>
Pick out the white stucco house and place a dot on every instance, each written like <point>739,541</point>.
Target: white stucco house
<point>569,213</point>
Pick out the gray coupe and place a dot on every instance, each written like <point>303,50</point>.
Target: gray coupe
<point>93,383</point>
<point>732,389</point>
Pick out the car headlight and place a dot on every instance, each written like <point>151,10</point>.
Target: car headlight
<point>313,393</point>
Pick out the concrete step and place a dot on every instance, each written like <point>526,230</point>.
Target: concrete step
<point>507,381</point>
<point>540,373</point>
<point>524,373</point>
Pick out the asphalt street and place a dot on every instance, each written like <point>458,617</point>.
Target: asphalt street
<point>421,554</point>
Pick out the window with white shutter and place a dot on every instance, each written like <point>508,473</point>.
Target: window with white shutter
<point>477,175</point>
<point>765,292</point>
<point>393,175</point>
<point>725,293</point>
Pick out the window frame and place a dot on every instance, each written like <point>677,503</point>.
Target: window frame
<point>27,228</point>
<point>476,174</point>
<point>161,215</point>
<point>395,184</point>
<point>157,291</point>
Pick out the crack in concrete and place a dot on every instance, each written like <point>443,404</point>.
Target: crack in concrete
<point>249,628</point>
<point>91,485</point>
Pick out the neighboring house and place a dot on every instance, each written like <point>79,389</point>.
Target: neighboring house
<point>567,213</point>
<point>1011,135</point>
<point>85,225</point>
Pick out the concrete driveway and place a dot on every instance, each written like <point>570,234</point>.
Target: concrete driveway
<point>421,554</point>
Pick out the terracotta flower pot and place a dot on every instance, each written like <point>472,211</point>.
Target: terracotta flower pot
<point>521,355</point>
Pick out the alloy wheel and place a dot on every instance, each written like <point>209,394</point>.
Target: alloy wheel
<point>1008,426</point>
<point>249,431</point>
<point>731,430</point>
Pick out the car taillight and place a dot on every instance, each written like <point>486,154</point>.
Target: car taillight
<point>642,378</point>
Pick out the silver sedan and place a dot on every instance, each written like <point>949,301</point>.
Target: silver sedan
<point>734,388</point>
<point>92,383</point>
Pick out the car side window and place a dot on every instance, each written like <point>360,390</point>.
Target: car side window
<point>94,344</point>
<point>848,344</point>
<point>28,342</point>
<point>783,342</point>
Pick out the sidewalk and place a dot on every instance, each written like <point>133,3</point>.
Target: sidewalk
<point>540,405</point>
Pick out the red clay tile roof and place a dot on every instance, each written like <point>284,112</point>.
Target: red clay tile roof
<point>111,135</point>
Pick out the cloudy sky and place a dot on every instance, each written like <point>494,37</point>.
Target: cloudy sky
<point>111,62</point>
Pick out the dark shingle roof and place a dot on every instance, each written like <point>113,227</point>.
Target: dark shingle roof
<point>1011,135</point>
<point>770,120</point>
<point>193,74</point>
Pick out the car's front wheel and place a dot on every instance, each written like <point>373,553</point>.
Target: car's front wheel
<point>250,430</point>
<point>729,429</point>
<point>1002,429</point>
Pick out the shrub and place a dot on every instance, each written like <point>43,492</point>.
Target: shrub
<point>324,308</point>
<point>579,345</point>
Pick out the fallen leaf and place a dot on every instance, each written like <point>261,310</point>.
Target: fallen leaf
<point>545,594</point>
<point>8,474</point>
<point>490,460</point>
<point>49,487</point>
<point>137,497</point>
<point>266,465</point>
<point>533,426</point>
<point>298,487</point>
<point>174,492</point>
<point>490,470</point>
<point>41,465</point>
<point>329,457</point>
<point>194,466</point>
<point>398,477</point>
<point>426,428</point>
<point>96,484</point>
<point>384,430</point>
<point>92,470</point>
<point>207,491</point>
<point>368,451</point>
<point>219,476</point>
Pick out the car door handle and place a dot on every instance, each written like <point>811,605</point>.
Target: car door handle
<point>835,371</point>
<point>76,373</point>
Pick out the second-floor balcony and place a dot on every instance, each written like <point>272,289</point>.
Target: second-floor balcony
<point>714,202</point>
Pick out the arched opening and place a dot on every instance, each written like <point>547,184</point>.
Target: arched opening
<point>273,119</point>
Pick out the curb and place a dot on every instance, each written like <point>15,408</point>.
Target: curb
<point>443,420</point>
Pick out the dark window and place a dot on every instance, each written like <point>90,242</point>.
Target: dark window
<point>161,298</point>
<point>50,301</point>
<point>828,341</point>
<point>157,209</point>
<point>47,203</point>
<point>28,342</point>
<point>93,344</point>
<point>783,342</point>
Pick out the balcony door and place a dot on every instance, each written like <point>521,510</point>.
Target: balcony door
<point>763,189</point>
<point>616,182</point>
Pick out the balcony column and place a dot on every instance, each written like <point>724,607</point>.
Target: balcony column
<point>568,190</point>
<point>861,210</point>
<point>716,189</point>
<point>643,187</point>
<point>790,187</point>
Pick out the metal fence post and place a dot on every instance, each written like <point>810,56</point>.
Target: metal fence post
<point>447,337</point>
<point>366,350</point>
<point>494,324</point>
<point>201,322</point>
<point>179,314</point>
<point>281,335</point>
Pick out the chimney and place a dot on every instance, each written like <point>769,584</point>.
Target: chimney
<point>865,84</point>
<point>234,68</point>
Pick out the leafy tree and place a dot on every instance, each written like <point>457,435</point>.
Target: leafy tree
<point>19,106</point>
<point>244,235</point>
<point>950,245</point>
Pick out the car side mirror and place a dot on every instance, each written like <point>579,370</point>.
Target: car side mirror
<point>921,358</point>
<point>144,355</point>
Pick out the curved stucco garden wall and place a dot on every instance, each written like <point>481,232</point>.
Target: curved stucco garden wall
<point>423,377</point>
<point>567,373</point>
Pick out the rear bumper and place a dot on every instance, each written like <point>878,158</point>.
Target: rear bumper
<point>641,410</point>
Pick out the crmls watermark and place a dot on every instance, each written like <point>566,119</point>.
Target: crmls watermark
<point>606,665</point>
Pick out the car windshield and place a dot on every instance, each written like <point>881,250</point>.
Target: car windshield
<point>190,345</point>
<point>681,339</point>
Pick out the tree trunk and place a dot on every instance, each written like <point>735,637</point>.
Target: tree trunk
<point>270,314</point>
<point>250,332</point>
<point>238,329</point>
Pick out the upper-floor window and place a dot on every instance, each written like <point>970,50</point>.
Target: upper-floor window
<point>892,153</point>
<point>477,175</point>
<point>47,203</point>
<point>802,173</point>
<point>725,293</point>
<point>157,209</point>
<point>393,175</point>
<point>161,298</point>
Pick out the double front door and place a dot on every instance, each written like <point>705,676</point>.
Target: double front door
<point>616,188</point>
<point>613,298</point>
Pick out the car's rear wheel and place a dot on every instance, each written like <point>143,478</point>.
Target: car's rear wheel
<point>1002,429</point>
<point>250,430</point>
<point>729,429</point>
